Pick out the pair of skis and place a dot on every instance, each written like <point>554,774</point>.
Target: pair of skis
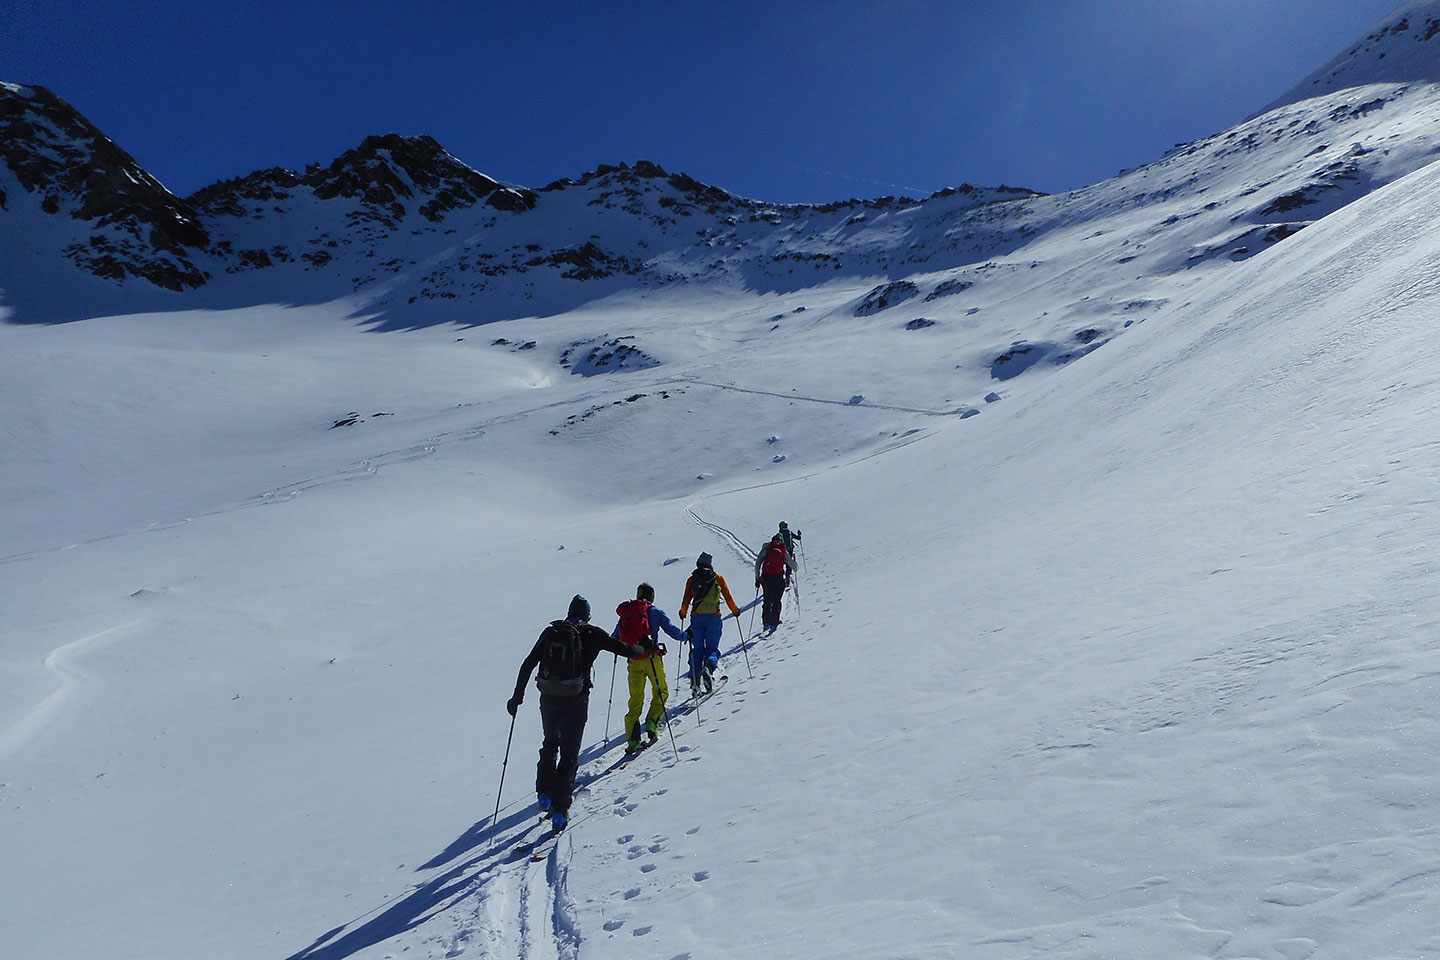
<point>690,705</point>
<point>539,848</point>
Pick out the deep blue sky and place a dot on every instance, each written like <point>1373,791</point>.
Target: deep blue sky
<point>800,101</point>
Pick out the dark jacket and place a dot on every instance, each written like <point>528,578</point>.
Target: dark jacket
<point>594,640</point>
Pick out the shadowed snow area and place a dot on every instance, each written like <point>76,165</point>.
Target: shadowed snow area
<point>1114,633</point>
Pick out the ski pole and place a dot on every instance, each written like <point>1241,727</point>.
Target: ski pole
<point>694,686</point>
<point>802,556</point>
<point>495,819</point>
<point>611,702</point>
<point>752,612</point>
<point>654,672</point>
<point>745,648</point>
<point>680,648</point>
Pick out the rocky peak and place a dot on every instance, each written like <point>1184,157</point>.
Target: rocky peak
<point>391,171</point>
<point>389,174</point>
<point>626,173</point>
<point>53,152</point>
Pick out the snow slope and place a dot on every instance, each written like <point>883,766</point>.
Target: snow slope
<point>1120,652</point>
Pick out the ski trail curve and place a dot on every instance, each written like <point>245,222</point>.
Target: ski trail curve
<point>59,663</point>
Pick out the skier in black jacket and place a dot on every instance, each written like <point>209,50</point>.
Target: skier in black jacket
<point>565,652</point>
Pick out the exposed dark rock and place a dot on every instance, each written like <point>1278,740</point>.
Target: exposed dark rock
<point>949,287</point>
<point>587,262</point>
<point>591,357</point>
<point>512,200</point>
<point>263,186</point>
<point>1020,357</point>
<point>885,296</point>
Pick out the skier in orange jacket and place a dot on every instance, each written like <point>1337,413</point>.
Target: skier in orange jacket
<point>704,590</point>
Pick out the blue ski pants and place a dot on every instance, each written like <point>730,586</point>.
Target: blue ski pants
<point>705,632</point>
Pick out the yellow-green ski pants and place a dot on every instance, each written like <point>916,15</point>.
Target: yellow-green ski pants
<point>651,670</point>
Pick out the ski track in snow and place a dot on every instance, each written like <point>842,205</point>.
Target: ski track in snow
<point>957,412</point>
<point>70,679</point>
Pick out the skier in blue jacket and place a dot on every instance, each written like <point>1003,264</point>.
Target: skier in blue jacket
<point>640,624</point>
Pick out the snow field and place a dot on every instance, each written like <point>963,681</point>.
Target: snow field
<point>1139,661</point>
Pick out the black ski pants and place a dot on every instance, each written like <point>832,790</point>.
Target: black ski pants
<point>774,586</point>
<point>563,719</point>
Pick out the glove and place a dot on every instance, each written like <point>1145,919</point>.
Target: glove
<point>513,704</point>
<point>689,635</point>
<point>660,649</point>
<point>757,583</point>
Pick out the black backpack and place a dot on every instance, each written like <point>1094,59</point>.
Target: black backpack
<point>702,583</point>
<point>562,660</point>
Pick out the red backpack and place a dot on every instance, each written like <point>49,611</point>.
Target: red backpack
<point>774,558</point>
<point>635,622</point>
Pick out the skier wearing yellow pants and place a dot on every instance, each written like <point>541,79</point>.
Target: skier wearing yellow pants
<point>642,620</point>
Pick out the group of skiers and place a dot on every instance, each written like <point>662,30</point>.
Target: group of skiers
<point>566,650</point>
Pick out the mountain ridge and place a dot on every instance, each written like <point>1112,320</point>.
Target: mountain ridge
<point>415,236</point>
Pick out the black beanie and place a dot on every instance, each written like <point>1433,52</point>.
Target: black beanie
<point>579,608</point>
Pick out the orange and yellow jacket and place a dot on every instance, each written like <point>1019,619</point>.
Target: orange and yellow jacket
<point>711,602</point>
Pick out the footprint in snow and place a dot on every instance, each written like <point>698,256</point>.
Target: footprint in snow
<point>702,875</point>
<point>613,925</point>
<point>647,868</point>
<point>692,831</point>
<point>632,893</point>
<point>640,931</point>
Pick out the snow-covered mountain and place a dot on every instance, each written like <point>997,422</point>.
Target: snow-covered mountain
<point>409,229</point>
<point>1402,49</point>
<point>413,236</point>
<point>1115,626</point>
